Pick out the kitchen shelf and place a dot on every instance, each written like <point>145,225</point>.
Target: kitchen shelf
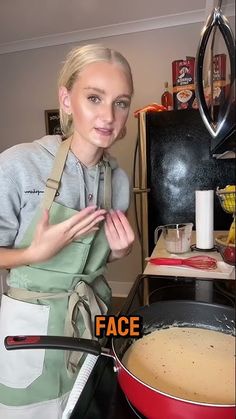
<point>223,270</point>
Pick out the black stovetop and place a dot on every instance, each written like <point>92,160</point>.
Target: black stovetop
<point>102,397</point>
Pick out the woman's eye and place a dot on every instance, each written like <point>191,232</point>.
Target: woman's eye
<point>94,99</point>
<point>122,104</point>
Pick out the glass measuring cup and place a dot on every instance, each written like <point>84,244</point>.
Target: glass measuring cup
<point>177,237</point>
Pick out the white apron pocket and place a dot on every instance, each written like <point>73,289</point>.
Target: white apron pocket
<point>19,368</point>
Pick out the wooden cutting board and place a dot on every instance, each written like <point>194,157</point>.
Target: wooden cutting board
<point>223,270</point>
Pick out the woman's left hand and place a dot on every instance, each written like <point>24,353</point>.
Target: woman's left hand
<point>119,234</point>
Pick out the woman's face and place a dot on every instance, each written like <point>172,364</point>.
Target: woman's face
<point>99,103</point>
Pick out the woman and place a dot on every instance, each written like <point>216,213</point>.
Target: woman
<point>61,219</point>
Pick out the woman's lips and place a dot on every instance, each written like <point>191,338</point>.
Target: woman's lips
<point>104,131</point>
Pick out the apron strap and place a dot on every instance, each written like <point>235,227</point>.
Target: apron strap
<point>26,295</point>
<point>81,300</point>
<point>107,185</point>
<point>53,182</point>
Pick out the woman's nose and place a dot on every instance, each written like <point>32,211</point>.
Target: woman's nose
<point>108,113</point>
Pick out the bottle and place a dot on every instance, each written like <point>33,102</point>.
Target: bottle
<point>166,98</point>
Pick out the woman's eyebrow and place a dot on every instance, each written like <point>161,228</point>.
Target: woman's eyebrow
<point>95,88</point>
<point>102,91</point>
<point>125,95</point>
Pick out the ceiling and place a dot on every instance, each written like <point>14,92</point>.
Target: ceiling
<point>26,24</point>
<point>27,19</point>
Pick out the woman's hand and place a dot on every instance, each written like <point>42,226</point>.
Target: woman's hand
<point>49,239</point>
<point>119,234</point>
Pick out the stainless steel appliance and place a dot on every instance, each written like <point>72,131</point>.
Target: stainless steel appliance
<point>215,77</point>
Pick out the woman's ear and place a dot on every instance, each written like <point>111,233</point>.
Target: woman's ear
<point>64,99</point>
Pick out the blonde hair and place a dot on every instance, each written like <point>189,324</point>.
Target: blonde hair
<point>76,61</point>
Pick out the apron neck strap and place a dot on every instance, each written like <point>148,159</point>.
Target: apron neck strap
<point>53,182</point>
<point>107,186</point>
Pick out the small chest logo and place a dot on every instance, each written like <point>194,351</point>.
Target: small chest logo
<point>34,191</point>
<point>37,192</point>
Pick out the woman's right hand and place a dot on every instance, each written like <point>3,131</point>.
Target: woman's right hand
<point>49,239</point>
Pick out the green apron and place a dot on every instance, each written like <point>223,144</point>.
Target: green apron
<point>57,297</point>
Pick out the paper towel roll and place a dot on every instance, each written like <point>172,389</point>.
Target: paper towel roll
<point>204,219</point>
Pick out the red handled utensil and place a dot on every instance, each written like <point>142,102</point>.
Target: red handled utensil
<point>199,262</point>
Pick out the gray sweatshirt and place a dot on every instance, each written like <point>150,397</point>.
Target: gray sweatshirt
<point>24,170</point>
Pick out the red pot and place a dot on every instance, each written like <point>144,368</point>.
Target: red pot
<point>157,405</point>
<point>153,403</point>
<point>150,402</point>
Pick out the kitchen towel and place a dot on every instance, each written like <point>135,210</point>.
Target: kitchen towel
<point>79,384</point>
<point>204,219</point>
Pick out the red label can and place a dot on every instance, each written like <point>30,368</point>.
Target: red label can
<point>183,83</point>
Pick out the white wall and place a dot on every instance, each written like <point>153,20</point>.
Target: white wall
<point>28,87</point>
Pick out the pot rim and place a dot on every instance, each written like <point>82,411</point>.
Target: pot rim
<point>168,394</point>
<point>162,392</point>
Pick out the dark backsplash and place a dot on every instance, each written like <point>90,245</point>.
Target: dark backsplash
<point>179,162</point>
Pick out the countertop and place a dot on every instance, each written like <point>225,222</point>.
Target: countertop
<point>223,270</point>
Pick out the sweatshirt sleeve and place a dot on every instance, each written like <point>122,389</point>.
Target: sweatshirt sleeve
<point>9,210</point>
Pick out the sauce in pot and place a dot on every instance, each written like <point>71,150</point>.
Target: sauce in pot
<point>190,363</point>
